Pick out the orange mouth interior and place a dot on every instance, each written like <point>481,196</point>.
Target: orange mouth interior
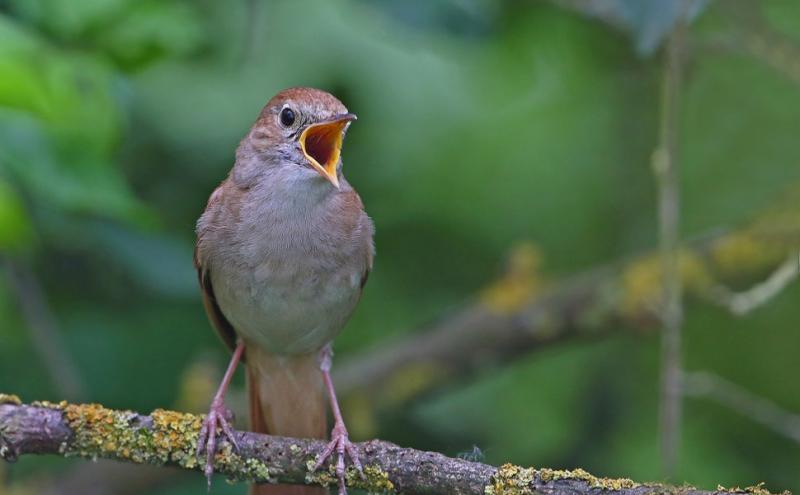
<point>322,145</point>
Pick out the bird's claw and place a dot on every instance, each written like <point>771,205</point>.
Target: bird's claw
<point>341,444</point>
<point>218,416</point>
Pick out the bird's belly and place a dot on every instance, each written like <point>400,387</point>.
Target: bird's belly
<point>285,308</point>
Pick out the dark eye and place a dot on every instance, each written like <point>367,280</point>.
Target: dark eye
<point>287,117</point>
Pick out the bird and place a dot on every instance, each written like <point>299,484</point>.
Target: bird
<point>284,249</point>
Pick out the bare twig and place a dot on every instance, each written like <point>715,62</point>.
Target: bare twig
<point>742,303</point>
<point>44,331</point>
<point>169,438</point>
<point>665,166</point>
<point>715,388</point>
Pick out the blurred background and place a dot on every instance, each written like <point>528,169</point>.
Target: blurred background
<point>502,148</point>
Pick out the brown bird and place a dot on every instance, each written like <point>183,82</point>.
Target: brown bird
<point>283,251</point>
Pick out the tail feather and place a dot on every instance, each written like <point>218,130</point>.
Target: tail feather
<point>286,397</point>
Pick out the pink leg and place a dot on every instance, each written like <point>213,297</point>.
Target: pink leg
<point>218,416</point>
<point>340,442</point>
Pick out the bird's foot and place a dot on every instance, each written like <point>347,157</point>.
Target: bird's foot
<point>220,417</point>
<point>340,444</point>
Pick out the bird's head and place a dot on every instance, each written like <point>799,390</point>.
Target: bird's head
<point>302,127</point>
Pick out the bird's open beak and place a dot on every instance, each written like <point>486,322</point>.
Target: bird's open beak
<point>322,145</point>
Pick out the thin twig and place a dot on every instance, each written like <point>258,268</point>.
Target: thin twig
<point>169,438</point>
<point>665,165</point>
<point>742,303</point>
<point>761,410</point>
<point>44,331</point>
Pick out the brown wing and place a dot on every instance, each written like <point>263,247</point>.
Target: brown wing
<point>215,316</point>
<point>365,277</point>
<point>369,228</point>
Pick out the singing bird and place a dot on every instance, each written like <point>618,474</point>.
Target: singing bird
<point>283,251</point>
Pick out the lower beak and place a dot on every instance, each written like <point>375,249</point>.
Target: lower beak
<point>322,145</point>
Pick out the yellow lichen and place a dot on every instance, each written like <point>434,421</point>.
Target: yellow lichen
<point>10,399</point>
<point>642,286</point>
<point>519,284</point>
<point>375,479</point>
<point>745,253</point>
<point>511,480</point>
<point>516,480</point>
<point>757,489</point>
<point>590,479</point>
<point>171,437</point>
<point>50,405</point>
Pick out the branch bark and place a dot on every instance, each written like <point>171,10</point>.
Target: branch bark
<point>169,438</point>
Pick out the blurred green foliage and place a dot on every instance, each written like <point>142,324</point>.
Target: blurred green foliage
<point>481,124</point>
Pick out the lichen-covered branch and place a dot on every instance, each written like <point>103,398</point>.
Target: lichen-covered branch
<point>522,312</point>
<point>169,438</point>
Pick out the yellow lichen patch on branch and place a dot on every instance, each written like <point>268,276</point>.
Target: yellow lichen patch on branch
<point>642,286</point>
<point>519,284</point>
<point>590,479</point>
<point>50,405</point>
<point>760,490</point>
<point>515,480</point>
<point>743,252</point>
<point>511,480</point>
<point>177,433</point>
<point>375,479</point>
<point>171,437</point>
<point>757,489</point>
<point>10,399</point>
<point>102,432</point>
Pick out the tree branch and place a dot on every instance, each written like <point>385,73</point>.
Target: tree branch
<point>169,438</point>
<point>520,313</point>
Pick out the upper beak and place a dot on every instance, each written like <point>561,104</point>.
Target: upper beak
<point>322,145</point>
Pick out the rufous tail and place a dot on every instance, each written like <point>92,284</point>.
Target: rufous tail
<point>287,397</point>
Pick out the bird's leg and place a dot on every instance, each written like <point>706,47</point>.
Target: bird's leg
<point>340,442</point>
<point>218,416</point>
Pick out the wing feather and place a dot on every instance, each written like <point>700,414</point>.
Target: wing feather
<point>221,324</point>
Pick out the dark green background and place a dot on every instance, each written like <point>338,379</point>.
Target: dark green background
<point>481,124</point>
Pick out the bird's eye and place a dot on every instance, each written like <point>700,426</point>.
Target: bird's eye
<point>287,117</point>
